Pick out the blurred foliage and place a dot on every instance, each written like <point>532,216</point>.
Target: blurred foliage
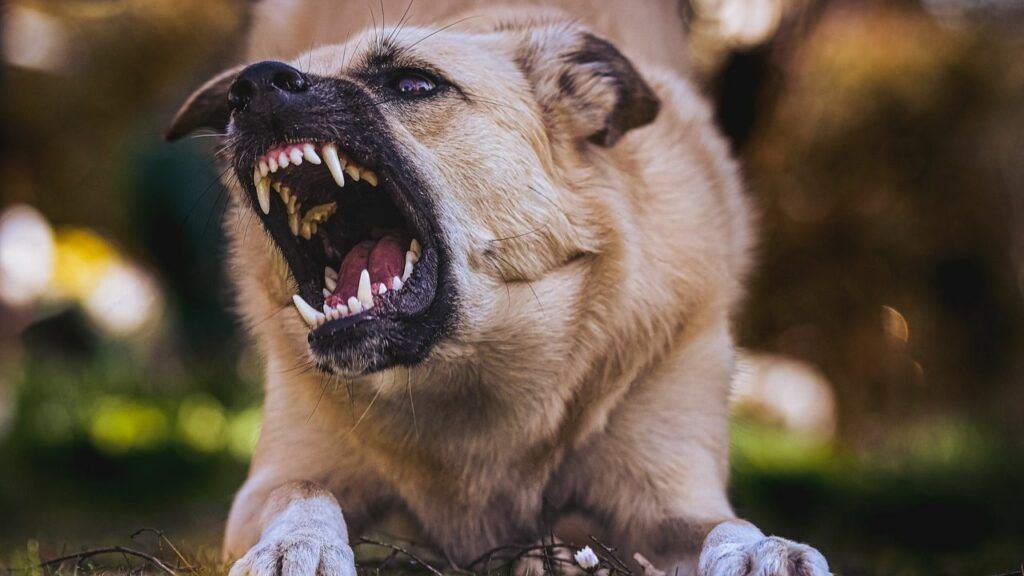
<point>884,147</point>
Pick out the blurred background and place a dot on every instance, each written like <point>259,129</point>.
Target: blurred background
<point>879,409</point>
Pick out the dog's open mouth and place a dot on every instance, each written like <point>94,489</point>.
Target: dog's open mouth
<point>352,237</point>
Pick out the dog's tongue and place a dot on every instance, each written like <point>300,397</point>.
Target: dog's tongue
<point>384,258</point>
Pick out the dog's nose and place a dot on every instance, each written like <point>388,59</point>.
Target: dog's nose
<point>269,82</point>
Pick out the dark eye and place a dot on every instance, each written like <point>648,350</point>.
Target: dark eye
<point>413,84</point>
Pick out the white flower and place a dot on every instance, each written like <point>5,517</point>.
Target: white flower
<point>586,558</point>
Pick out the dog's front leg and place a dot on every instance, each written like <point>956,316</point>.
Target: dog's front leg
<point>302,533</point>
<point>737,548</point>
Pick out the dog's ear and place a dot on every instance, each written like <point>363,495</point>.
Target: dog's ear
<point>585,85</point>
<point>207,107</point>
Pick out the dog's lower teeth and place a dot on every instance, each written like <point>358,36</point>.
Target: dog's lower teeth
<point>396,283</point>
<point>354,306</point>
<point>309,315</point>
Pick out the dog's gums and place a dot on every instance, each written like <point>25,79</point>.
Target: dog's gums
<point>372,271</point>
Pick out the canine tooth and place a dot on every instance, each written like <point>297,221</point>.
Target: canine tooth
<point>382,290</point>
<point>354,306</point>
<point>330,152</point>
<point>310,316</point>
<point>416,249</point>
<point>353,171</point>
<point>370,176</point>
<point>293,222</point>
<point>331,283</point>
<point>295,155</point>
<point>273,164</point>
<point>309,153</point>
<point>264,169</point>
<point>282,160</point>
<point>411,256</point>
<point>396,283</point>
<point>365,292</point>
<point>262,192</point>
<point>408,268</point>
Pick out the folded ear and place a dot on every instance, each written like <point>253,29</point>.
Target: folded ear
<point>585,85</point>
<point>207,107</point>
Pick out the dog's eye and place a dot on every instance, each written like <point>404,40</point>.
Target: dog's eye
<point>413,84</point>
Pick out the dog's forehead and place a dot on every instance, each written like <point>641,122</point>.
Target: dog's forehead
<point>372,50</point>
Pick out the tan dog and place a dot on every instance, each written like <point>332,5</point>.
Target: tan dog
<point>491,268</point>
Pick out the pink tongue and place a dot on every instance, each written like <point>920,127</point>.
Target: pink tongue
<point>383,258</point>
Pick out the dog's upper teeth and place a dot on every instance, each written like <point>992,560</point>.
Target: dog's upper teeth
<point>309,315</point>
<point>264,168</point>
<point>272,163</point>
<point>365,293</point>
<point>262,191</point>
<point>295,155</point>
<point>309,153</point>
<point>282,160</point>
<point>330,152</point>
<point>370,176</point>
<point>353,171</point>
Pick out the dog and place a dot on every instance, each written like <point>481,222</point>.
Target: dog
<point>491,266</point>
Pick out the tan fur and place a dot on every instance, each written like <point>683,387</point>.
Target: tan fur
<point>592,359</point>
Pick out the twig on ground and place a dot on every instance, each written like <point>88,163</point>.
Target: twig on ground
<point>164,539</point>
<point>85,554</point>
<point>404,551</point>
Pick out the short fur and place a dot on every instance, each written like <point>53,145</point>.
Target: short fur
<point>599,240</point>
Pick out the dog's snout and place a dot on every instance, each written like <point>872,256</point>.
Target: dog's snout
<point>270,82</point>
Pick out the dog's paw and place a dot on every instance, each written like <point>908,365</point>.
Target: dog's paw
<point>730,551</point>
<point>297,555</point>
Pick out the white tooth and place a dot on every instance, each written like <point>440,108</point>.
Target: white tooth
<point>264,169</point>
<point>309,153</point>
<point>353,171</point>
<point>408,268</point>
<point>330,152</point>
<point>326,292</point>
<point>295,156</point>
<point>382,290</point>
<point>365,293</point>
<point>370,177</point>
<point>411,256</point>
<point>396,283</point>
<point>327,310</point>
<point>342,310</point>
<point>415,248</point>
<point>282,160</point>
<point>354,306</point>
<point>328,271</point>
<point>310,316</point>
<point>273,164</point>
<point>262,192</point>
<point>331,283</point>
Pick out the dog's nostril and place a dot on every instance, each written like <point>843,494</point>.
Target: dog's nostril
<point>240,92</point>
<point>290,80</point>
<point>265,80</point>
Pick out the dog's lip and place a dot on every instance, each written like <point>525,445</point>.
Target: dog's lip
<point>343,168</point>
